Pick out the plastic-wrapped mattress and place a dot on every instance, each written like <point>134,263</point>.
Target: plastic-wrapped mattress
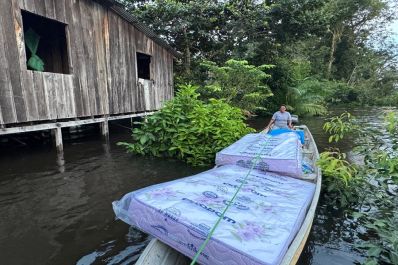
<point>257,228</point>
<point>281,153</point>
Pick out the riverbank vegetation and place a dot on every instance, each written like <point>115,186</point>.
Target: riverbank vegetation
<point>323,52</point>
<point>368,189</point>
<point>237,83</point>
<point>189,129</point>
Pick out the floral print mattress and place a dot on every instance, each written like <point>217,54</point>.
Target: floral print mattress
<point>280,153</point>
<point>257,228</point>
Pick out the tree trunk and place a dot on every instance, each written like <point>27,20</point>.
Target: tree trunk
<point>336,35</point>
<point>350,80</point>
<point>187,54</point>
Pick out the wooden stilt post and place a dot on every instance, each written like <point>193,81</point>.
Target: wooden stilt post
<point>105,129</point>
<point>107,149</point>
<point>61,162</point>
<point>58,139</point>
<point>57,134</point>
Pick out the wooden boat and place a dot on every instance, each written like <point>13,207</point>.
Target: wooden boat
<point>158,253</point>
<point>295,118</point>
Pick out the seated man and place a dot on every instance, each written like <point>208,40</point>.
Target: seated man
<point>281,119</point>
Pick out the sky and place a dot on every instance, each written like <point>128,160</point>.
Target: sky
<point>394,28</point>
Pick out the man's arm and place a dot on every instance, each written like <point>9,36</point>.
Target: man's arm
<point>271,121</point>
<point>290,121</point>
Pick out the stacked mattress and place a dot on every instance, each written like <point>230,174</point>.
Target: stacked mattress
<point>281,153</point>
<point>257,229</point>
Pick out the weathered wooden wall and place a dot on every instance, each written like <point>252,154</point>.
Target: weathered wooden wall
<point>102,50</point>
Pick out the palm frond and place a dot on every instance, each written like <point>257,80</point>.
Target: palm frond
<point>311,109</point>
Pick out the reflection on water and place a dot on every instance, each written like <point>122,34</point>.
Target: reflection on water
<point>127,253</point>
<point>58,211</point>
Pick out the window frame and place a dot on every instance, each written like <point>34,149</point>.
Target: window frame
<point>149,65</point>
<point>67,68</point>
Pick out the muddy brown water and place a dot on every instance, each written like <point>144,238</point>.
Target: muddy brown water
<point>60,213</point>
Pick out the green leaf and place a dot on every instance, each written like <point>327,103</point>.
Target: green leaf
<point>357,214</point>
<point>394,256</point>
<point>374,251</point>
<point>144,139</point>
<point>371,262</point>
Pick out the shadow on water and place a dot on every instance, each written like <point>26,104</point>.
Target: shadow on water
<point>59,212</point>
<point>62,214</point>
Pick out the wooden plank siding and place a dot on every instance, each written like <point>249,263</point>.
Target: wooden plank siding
<point>101,53</point>
<point>7,103</point>
<point>9,26</point>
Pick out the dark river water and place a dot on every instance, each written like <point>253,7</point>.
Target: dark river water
<point>54,212</point>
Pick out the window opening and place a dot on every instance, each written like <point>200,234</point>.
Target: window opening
<point>143,65</point>
<point>45,44</point>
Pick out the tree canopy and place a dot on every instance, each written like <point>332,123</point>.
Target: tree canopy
<point>340,41</point>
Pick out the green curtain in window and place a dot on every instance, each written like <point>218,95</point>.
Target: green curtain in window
<point>32,40</point>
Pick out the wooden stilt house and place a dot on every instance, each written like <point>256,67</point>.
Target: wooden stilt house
<point>71,62</point>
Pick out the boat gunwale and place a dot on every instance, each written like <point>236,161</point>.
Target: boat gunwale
<point>296,247</point>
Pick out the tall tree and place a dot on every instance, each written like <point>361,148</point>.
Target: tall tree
<point>338,38</point>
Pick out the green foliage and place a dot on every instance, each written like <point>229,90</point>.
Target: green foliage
<point>340,126</point>
<point>373,191</point>
<point>339,177</point>
<point>189,129</point>
<point>308,98</point>
<point>382,221</point>
<point>294,84</point>
<point>385,247</point>
<point>391,120</point>
<point>238,83</point>
<point>335,165</point>
<point>376,84</point>
<point>342,92</point>
<point>212,30</point>
<point>343,45</point>
<point>303,94</point>
<point>390,100</point>
<point>301,69</point>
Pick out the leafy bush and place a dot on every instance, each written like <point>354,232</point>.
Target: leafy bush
<point>385,248</point>
<point>339,177</point>
<point>341,92</point>
<point>373,192</point>
<point>340,126</point>
<point>238,83</point>
<point>391,100</point>
<point>308,97</point>
<point>189,129</point>
<point>381,166</point>
<point>305,94</point>
<point>391,119</point>
<point>381,220</point>
<point>334,164</point>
